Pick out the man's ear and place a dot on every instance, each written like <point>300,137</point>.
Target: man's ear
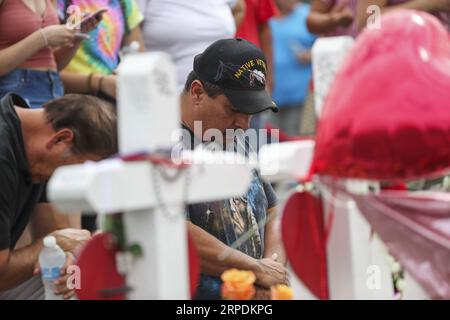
<point>63,137</point>
<point>197,92</point>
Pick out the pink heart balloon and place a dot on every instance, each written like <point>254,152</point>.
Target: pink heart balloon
<point>387,116</point>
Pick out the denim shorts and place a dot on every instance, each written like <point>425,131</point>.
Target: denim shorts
<point>36,87</point>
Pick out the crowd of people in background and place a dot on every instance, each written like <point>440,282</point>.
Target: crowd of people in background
<point>48,54</point>
<point>41,59</point>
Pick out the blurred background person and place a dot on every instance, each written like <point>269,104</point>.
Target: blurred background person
<point>255,28</point>
<point>184,28</point>
<point>440,8</point>
<point>327,18</point>
<point>93,66</point>
<point>92,70</point>
<point>33,47</point>
<point>292,44</point>
<point>333,17</point>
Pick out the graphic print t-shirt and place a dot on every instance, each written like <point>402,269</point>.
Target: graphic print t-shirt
<point>230,220</point>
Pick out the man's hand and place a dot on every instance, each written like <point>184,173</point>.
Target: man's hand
<point>61,283</point>
<point>58,36</point>
<point>261,294</point>
<point>71,240</point>
<point>342,15</point>
<point>269,272</point>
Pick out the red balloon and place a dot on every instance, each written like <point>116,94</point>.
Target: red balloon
<point>387,116</point>
<point>303,235</point>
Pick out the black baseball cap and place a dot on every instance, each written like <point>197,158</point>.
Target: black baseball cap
<point>238,67</point>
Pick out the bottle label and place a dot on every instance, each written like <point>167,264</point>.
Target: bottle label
<point>51,273</point>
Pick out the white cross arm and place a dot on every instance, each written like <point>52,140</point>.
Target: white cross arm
<point>113,185</point>
<point>286,161</point>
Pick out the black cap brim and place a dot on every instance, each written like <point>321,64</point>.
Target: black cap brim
<point>250,101</point>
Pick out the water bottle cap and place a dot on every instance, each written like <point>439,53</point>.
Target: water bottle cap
<point>50,242</point>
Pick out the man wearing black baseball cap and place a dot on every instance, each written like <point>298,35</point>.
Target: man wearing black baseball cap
<point>229,76</point>
<point>238,67</point>
<point>226,87</point>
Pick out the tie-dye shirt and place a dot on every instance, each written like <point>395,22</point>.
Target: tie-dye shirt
<point>100,53</point>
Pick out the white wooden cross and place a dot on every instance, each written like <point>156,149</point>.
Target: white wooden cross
<point>148,114</point>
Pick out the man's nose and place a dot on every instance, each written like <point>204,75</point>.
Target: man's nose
<point>242,121</point>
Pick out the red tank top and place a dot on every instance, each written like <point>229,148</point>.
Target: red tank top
<point>18,21</point>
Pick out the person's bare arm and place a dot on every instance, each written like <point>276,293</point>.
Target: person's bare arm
<point>78,82</point>
<point>55,36</point>
<point>212,249</point>
<point>239,12</point>
<point>273,244</point>
<point>323,18</point>
<point>424,5</point>
<point>89,84</point>
<point>319,21</point>
<point>216,257</point>
<point>17,266</point>
<point>46,219</point>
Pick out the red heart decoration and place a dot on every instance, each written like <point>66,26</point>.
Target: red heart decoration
<point>387,116</point>
<point>97,262</point>
<point>303,235</point>
<point>194,266</point>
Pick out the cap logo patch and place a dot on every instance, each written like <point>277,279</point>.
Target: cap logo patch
<point>226,68</point>
<point>257,75</point>
<point>248,66</point>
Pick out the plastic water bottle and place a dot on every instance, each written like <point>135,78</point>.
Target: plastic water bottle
<point>51,260</point>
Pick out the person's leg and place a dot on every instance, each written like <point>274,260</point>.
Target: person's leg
<point>32,289</point>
